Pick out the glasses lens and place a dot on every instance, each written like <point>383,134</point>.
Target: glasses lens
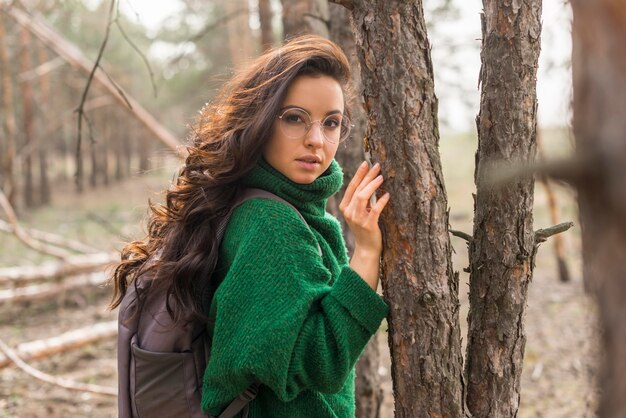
<point>293,123</point>
<point>332,127</point>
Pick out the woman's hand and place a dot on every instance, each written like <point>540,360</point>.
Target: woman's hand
<point>362,218</point>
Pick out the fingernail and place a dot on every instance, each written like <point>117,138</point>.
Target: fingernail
<point>376,165</point>
<point>363,164</point>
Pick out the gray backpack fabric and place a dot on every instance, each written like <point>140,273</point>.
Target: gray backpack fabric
<point>160,363</point>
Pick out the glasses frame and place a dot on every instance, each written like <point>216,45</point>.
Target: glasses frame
<point>308,125</point>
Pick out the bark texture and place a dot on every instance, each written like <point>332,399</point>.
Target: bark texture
<point>502,249</point>
<point>599,75</point>
<point>302,17</point>
<point>418,281</point>
<point>368,382</point>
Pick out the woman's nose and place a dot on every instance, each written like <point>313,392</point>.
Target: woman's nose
<point>315,135</point>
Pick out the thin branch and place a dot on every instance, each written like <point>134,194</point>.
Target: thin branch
<point>53,239</point>
<point>24,237</point>
<point>119,90</point>
<point>80,109</point>
<point>141,54</point>
<point>64,383</point>
<point>205,30</point>
<point>542,235</point>
<point>348,4</point>
<point>460,234</point>
<point>42,69</point>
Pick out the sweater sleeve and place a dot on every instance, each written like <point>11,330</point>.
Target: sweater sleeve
<point>277,317</point>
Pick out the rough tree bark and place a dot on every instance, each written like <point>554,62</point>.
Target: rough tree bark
<point>599,75</point>
<point>28,120</point>
<point>418,281</point>
<point>502,249</point>
<point>368,382</point>
<point>305,16</point>
<point>8,145</point>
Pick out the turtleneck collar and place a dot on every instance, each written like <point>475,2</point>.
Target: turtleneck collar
<point>307,198</point>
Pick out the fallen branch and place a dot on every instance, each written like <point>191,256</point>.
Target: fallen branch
<point>77,59</point>
<point>64,383</point>
<point>48,290</point>
<point>542,235</point>
<point>74,265</point>
<point>53,239</point>
<point>24,237</point>
<point>70,340</point>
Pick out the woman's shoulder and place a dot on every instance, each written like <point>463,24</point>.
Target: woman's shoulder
<point>262,216</point>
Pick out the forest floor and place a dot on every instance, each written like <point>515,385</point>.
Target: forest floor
<point>561,350</point>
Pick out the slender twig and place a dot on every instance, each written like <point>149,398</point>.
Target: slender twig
<point>64,383</point>
<point>24,237</point>
<point>542,235</point>
<point>205,30</point>
<point>460,234</point>
<point>119,90</point>
<point>141,54</point>
<point>80,109</point>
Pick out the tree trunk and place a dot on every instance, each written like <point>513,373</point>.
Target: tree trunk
<point>502,249</point>
<point>28,122</point>
<point>305,16</point>
<point>42,142</point>
<point>368,382</point>
<point>8,145</point>
<point>599,68</point>
<point>239,36</point>
<point>267,31</point>
<point>418,281</point>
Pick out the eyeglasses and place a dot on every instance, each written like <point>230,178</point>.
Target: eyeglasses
<point>295,123</point>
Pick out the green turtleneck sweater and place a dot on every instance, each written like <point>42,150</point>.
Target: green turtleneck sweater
<point>282,314</point>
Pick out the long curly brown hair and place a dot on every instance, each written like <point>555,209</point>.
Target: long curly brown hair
<point>226,140</point>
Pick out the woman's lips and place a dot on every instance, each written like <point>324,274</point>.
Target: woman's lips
<point>308,165</point>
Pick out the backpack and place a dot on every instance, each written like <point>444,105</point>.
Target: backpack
<point>161,363</point>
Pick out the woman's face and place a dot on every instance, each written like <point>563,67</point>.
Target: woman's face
<point>304,159</point>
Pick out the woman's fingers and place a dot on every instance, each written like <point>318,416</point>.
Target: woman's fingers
<point>376,210</point>
<point>363,195</point>
<point>352,186</point>
<point>372,173</point>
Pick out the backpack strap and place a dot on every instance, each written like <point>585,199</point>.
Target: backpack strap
<point>241,401</point>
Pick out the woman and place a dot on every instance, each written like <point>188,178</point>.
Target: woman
<point>283,314</point>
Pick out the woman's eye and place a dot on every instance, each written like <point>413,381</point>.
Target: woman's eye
<point>293,118</point>
<point>332,123</point>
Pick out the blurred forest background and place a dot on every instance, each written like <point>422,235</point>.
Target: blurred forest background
<point>172,66</point>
